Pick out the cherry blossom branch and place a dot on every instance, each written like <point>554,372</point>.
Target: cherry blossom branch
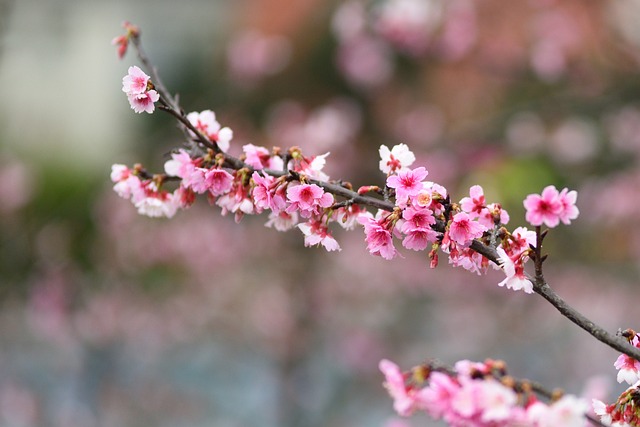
<point>169,104</point>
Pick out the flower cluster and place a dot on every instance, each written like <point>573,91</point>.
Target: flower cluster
<point>139,89</point>
<point>478,395</point>
<point>290,186</point>
<point>625,411</point>
<point>145,194</point>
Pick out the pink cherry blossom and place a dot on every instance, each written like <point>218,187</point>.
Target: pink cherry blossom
<point>347,217</point>
<point>569,210</point>
<point>237,201</point>
<point>463,229</point>
<point>143,102</point>
<point>545,208</point>
<point>603,411</point>
<point>180,165</point>
<point>475,204</point>
<point>308,199</point>
<point>419,239</point>
<point>206,123</point>
<point>316,232</point>
<point>490,213</point>
<point>129,187</point>
<point>157,204</point>
<point>218,181</point>
<point>184,197</point>
<point>311,167</point>
<point>395,160</point>
<point>119,172</point>
<point>522,239</point>
<point>628,368</point>
<point>196,180</point>
<point>260,158</point>
<point>468,259</point>
<point>135,82</point>
<point>417,218</point>
<point>514,270</point>
<point>267,194</point>
<point>407,183</point>
<point>378,237</point>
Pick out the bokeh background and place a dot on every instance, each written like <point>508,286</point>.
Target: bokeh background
<point>111,319</point>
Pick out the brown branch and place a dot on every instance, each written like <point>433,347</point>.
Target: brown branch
<point>544,290</point>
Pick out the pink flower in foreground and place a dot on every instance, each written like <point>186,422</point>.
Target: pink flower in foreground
<point>397,159</point>
<point>157,204</point>
<point>119,173</point>
<point>137,86</point>
<point>463,229</point>
<point>312,167</point>
<point>143,102</point>
<point>260,158</point>
<point>180,165</point>
<point>236,201</point>
<point>407,183</point>
<point>474,204</point>
<point>378,237</point>
<point>544,208</point>
<point>522,239</point>
<point>135,82</point>
<point>218,181</point>
<point>315,233</point>
<point>267,193</point>
<point>308,199</point>
<point>492,212</point>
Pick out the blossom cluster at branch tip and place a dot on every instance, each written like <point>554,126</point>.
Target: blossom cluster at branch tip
<point>122,41</point>
<point>139,90</point>
<point>550,207</point>
<point>477,395</point>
